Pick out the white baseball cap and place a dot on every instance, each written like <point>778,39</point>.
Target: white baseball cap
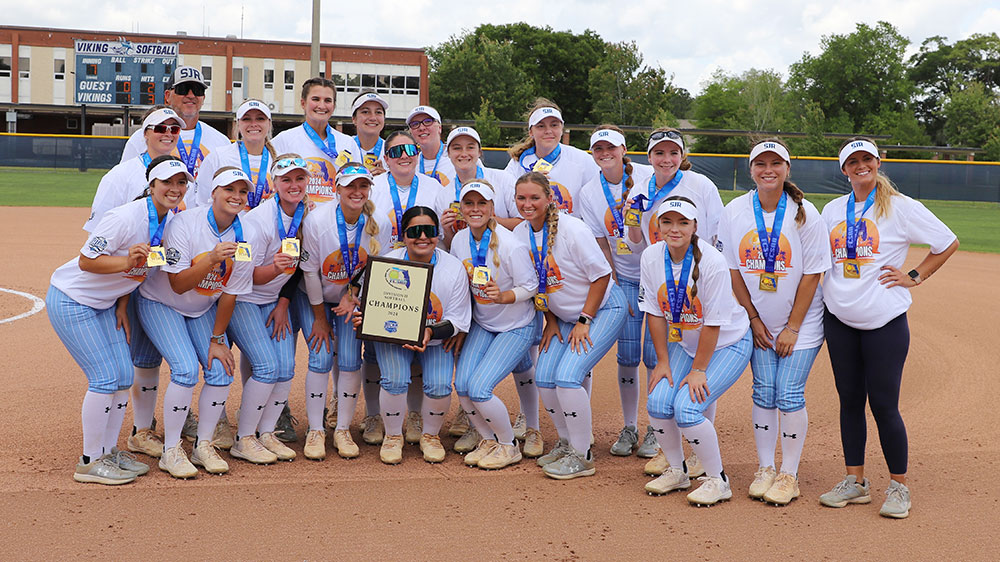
<point>423,109</point>
<point>161,116</point>
<point>185,74</point>
<point>858,146</point>
<point>543,112</point>
<point>687,210</point>
<point>664,136</point>
<point>286,165</point>
<point>770,146</point>
<point>609,135</point>
<point>352,171</point>
<point>462,131</point>
<point>168,169</point>
<point>229,176</point>
<point>479,187</point>
<point>252,104</point>
<point>367,97</point>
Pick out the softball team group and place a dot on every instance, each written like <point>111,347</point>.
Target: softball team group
<point>538,270</point>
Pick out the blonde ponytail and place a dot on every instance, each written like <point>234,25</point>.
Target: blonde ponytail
<point>884,192</point>
<point>494,241</point>
<point>371,228</point>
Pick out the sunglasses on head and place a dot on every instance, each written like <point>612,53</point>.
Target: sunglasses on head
<point>416,123</point>
<point>664,135</point>
<point>400,149</point>
<point>286,163</point>
<point>161,128</point>
<point>417,230</point>
<point>185,87</point>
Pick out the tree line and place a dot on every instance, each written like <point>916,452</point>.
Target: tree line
<point>946,94</point>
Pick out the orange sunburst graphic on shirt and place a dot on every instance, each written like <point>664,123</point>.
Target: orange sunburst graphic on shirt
<point>610,227</point>
<point>477,292</point>
<point>691,315</point>
<point>435,312</point>
<point>751,255</point>
<point>868,240</point>
<point>561,196</point>
<point>335,271</point>
<point>216,279</point>
<point>321,180</point>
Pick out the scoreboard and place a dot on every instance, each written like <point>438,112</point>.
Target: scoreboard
<point>122,72</point>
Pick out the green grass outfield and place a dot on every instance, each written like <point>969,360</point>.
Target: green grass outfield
<point>977,224</point>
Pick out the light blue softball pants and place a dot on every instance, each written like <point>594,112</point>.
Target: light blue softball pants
<point>488,357</point>
<point>144,353</point>
<point>634,338</point>
<point>394,362</point>
<point>271,360</point>
<point>92,339</point>
<point>780,382</point>
<point>346,347</point>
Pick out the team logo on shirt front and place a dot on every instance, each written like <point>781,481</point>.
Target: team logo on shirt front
<point>172,256</point>
<point>334,269</point>
<point>561,196</point>
<point>868,241</point>
<point>609,224</point>
<point>216,279</point>
<point>321,180</point>
<point>751,255</point>
<point>553,277</point>
<point>478,291</point>
<point>97,244</point>
<point>691,314</point>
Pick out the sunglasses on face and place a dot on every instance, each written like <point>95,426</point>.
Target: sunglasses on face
<point>417,230</point>
<point>664,135</point>
<point>286,163</point>
<point>415,124</point>
<point>400,149</point>
<point>184,88</point>
<point>353,168</point>
<point>161,128</point>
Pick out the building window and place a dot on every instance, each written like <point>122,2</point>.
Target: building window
<point>322,74</point>
<point>59,68</point>
<point>289,79</point>
<point>268,78</point>
<point>238,77</point>
<point>399,84</point>
<point>382,84</point>
<point>413,85</point>
<point>24,67</point>
<point>341,81</point>
<point>5,63</point>
<point>353,82</point>
<point>206,74</point>
<point>368,81</point>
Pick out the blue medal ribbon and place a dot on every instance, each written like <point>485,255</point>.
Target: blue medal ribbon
<point>434,257</point>
<point>236,226</point>
<point>655,194</point>
<point>190,159</point>
<point>155,225</point>
<point>329,146</point>
<point>539,257</point>
<point>437,160</point>
<point>480,250</point>
<point>350,253</point>
<point>616,213</point>
<point>851,238</point>
<point>375,151</point>
<point>255,196</point>
<point>397,206</point>
<point>551,158</point>
<point>293,228</point>
<point>146,158</point>
<point>677,293</point>
<point>458,184</point>
<point>769,244</point>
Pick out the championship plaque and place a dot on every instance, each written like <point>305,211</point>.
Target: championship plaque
<point>394,301</point>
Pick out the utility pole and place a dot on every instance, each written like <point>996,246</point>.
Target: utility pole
<point>314,51</point>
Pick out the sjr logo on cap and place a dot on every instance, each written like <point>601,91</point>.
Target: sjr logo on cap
<point>547,110</point>
<point>675,203</point>
<point>603,134</point>
<point>857,144</point>
<point>769,145</point>
<point>188,72</point>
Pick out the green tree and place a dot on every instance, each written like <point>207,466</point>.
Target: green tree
<point>971,115</point>
<point>755,101</point>
<point>487,125</point>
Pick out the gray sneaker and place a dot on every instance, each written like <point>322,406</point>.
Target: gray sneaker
<point>628,438</point>
<point>190,429</point>
<point>846,491</point>
<point>127,461</point>
<point>572,465</point>
<point>649,445</point>
<point>102,471</point>
<point>283,429</point>
<point>560,449</point>
<point>897,501</point>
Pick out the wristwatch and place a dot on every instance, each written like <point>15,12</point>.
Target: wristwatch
<point>585,320</point>
<point>219,339</point>
<point>915,275</point>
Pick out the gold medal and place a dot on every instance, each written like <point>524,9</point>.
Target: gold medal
<point>457,207</point>
<point>480,276</point>
<point>397,244</point>
<point>768,282</point>
<point>675,334</point>
<point>541,167</point>
<point>622,248</point>
<point>342,159</point>
<point>156,257</point>
<point>852,269</point>
<point>633,217</point>
<point>243,252</point>
<point>541,302</point>
<point>290,246</point>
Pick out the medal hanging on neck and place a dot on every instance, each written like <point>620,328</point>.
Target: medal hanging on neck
<point>542,165</point>
<point>437,159</point>
<point>769,244</point>
<point>289,243</point>
<point>242,246</point>
<point>351,254</point>
<point>621,248</point>
<point>191,158</point>
<point>256,195</point>
<point>398,208</point>
<point>676,292</point>
<point>156,256</point>
<point>852,265</point>
<point>480,273</point>
<point>369,157</point>
<point>638,207</point>
<point>539,257</point>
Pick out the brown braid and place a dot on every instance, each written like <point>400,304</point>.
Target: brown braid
<point>695,272</point>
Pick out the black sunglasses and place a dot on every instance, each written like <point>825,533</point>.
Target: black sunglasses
<point>161,128</point>
<point>664,135</point>
<point>182,89</point>
<point>400,149</point>
<point>418,230</point>
<point>416,123</point>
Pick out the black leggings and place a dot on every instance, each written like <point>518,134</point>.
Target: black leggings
<point>868,366</point>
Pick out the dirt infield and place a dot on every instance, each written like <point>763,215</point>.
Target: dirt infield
<point>339,509</point>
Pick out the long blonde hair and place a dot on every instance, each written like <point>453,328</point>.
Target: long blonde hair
<point>528,141</point>
<point>491,224</point>
<point>551,211</point>
<point>885,190</point>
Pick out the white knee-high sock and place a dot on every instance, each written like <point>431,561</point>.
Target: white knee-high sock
<point>372,389</point>
<point>495,414</point>
<point>668,436</point>
<point>116,416</point>
<point>709,412</point>
<point>588,382</point>
<point>246,371</point>
<point>765,434</point>
<point>527,395</point>
<point>144,396</point>
<point>705,443</point>
<point>628,390</point>
<point>575,404</point>
<point>550,398</point>
<point>393,411</point>
<point>475,418</point>
<point>433,411</point>
<point>316,384</point>
<point>255,395</point>
<point>94,414</point>
<point>211,404</point>
<point>275,404</point>
<point>176,406</point>
<point>793,438</point>
<point>348,388</point>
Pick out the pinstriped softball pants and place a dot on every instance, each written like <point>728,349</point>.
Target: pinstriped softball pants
<point>780,382</point>
<point>488,357</point>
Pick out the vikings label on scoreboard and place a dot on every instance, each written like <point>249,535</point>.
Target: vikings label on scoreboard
<point>122,72</point>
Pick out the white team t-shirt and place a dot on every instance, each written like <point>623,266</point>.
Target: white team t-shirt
<point>260,226</point>
<point>119,229</point>
<point>322,171</point>
<point>439,168</point>
<point>572,170</point>
<point>714,305</point>
<point>189,239</point>
<point>503,191</point>
<point>211,139</point>
<point>368,157</point>
<point>514,271</point>
<point>801,251</point>
<point>322,250</point>
<point>121,185</point>
<point>696,187</point>
<point>596,213</point>
<point>201,192</point>
<point>449,297</point>
<point>430,193</point>
<point>865,303</point>
<point>573,263</point>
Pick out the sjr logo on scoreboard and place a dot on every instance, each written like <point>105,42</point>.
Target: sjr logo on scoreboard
<point>122,72</point>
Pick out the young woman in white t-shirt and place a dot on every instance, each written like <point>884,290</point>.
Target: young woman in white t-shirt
<point>776,246</point>
<point>702,341</point>
<point>584,314</point>
<point>866,297</point>
<point>86,305</point>
<point>503,328</point>
<point>424,123</point>
<point>368,115</point>
<point>185,308</point>
<point>449,313</point>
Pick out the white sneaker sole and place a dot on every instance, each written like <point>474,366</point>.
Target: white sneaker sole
<point>580,474</point>
<point>705,503</point>
<point>91,479</point>
<point>844,503</point>
<point>657,492</point>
